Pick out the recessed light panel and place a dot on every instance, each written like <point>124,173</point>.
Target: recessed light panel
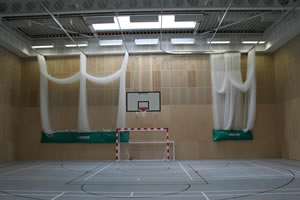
<point>42,46</point>
<point>80,44</point>
<point>146,41</point>
<point>253,42</point>
<point>168,22</point>
<point>219,42</point>
<point>183,40</point>
<point>110,42</point>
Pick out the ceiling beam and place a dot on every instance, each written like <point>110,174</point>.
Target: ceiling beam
<point>29,7</point>
<point>283,31</point>
<point>15,44</point>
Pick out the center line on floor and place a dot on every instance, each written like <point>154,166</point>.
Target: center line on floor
<point>56,197</point>
<point>205,196</point>
<point>98,171</point>
<point>182,167</point>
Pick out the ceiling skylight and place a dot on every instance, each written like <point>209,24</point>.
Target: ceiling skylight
<point>183,40</point>
<point>81,44</point>
<point>42,46</point>
<point>253,42</point>
<point>219,42</point>
<point>110,42</point>
<point>168,23</point>
<point>146,41</point>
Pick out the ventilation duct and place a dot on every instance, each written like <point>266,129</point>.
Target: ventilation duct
<point>184,18</point>
<point>99,20</point>
<point>144,18</point>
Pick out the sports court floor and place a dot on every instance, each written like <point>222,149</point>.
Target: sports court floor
<point>202,180</point>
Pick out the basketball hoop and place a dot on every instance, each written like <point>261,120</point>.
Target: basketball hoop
<point>143,110</point>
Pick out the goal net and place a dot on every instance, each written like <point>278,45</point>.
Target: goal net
<point>145,144</point>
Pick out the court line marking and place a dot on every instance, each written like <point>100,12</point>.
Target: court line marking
<point>173,196</point>
<point>246,176</point>
<point>258,194</point>
<point>98,171</point>
<point>269,168</point>
<point>56,197</point>
<point>131,194</point>
<point>170,179</point>
<point>20,169</point>
<point>221,168</point>
<point>290,166</point>
<point>207,191</point>
<point>186,194</point>
<point>205,196</point>
<point>182,167</point>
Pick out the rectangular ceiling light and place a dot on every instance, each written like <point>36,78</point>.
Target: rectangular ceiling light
<point>183,40</point>
<point>110,43</point>
<point>219,42</point>
<point>146,41</point>
<point>81,44</point>
<point>253,42</point>
<point>42,46</point>
<point>125,23</point>
<point>74,45</point>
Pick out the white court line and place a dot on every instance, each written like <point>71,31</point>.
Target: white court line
<point>146,180</point>
<point>246,176</point>
<point>25,178</point>
<point>256,194</point>
<point>222,168</point>
<point>205,196</point>
<point>131,194</point>
<point>288,166</point>
<point>56,197</point>
<point>100,170</point>
<point>172,196</point>
<point>207,191</point>
<point>185,171</point>
<point>190,194</point>
<point>20,169</point>
<point>269,168</point>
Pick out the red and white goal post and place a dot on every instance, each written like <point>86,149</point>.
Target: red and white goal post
<point>146,130</point>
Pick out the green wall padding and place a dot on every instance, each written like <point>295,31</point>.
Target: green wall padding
<point>84,137</point>
<point>220,135</point>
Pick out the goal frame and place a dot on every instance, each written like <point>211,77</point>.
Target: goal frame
<point>118,130</point>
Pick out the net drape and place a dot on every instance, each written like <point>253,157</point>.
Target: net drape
<point>83,124</point>
<point>234,101</point>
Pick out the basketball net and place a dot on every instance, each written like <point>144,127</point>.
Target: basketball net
<point>142,112</point>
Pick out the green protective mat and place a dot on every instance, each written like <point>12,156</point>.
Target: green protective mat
<point>84,137</point>
<point>220,135</point>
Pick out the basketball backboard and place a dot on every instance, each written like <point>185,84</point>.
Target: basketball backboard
<point>137,100</point>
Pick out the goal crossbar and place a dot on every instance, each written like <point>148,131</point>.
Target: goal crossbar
<point>118,130</point>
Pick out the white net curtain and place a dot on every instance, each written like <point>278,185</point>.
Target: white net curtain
<point>82,76</point>
<point>234,101</point>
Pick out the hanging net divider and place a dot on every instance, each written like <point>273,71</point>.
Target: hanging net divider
<point>234,100</point>
<point>82,75</point>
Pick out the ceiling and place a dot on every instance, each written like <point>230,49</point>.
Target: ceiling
<point>30,22</point>
<point>39,27</point>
